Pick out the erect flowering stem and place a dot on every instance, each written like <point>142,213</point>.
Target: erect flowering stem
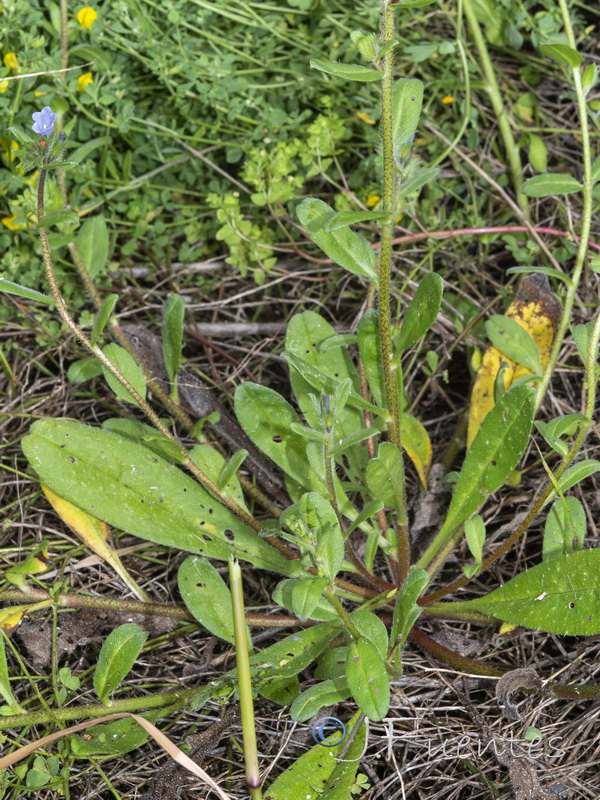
<point>390,367</point>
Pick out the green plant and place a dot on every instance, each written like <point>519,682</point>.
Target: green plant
<point>344,463</point>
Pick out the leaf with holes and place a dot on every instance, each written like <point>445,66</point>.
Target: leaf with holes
<point>326,693</point>
<point>267,418</point>
<point>207,597</point>
<point>368,679</point>
<point>561,596</point>
<point>130,487</point>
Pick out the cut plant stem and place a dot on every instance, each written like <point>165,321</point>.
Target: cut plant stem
<point>244,682</point>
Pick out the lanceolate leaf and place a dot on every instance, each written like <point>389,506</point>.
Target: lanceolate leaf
<point>24,291</point>
<point>551,183</point>
<point>341,219</point>
<point>422,311</point>
<point>172,334</point>
<point>128,369</point>
<point>117,656</point>
<point>320,768</point>
<point>514,341</point>
<point>495,452</point>
<point>322,694</point>
<point>565,528</point>
<point>102,317</point>
<point>345,247</point>
<point>406,109</point>
<point>561,596</point>
<point>93,244</point>
<point>131,488</point>
<point>350,72</point>
<point>416,442</point>
<point>207,596</point>
<point>368,679</point>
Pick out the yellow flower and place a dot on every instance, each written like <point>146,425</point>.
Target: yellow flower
<point>39,94</point>
<point>85,17</point>
<point>83,81</point>
<point>3,86</point>
<point>9,222</point>
<point>372,200</point>
<point>447,99</point>
<point>11,61</point>
<point>362,115</point>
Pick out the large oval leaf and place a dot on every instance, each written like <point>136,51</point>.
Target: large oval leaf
<point>130,487</point>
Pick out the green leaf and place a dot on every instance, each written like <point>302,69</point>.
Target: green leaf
<point>418,179</point>
<point>266,418</point>
<point>231,467</point>
<point>332,664</point>
<point>368,679</point>
<point>494,454</point>
<point>58,218</point>
<point>23,291</point>
<point>406,611</point>
<point>373,627</point>
<point>417,444</point>
<point>327,693</point>
<point>207,597</point>
<point>93,244</point>
<point>306,595</point>
<point>349,250</point>
<point>538,153</point>
<point>370,353</point>
<point>128,369</point>
<point>578,472</point>
<point>319,523</point>
<point>22,138</point>
<point>562,426</point>
<point>384,475</point>
<point>117,656</point>
<point>582,336</point>
<point>5,688</point>
<point>147,436</point>
<point>407,99</point>
<point>350,72</point>
<point>84,370</point>
<point>319,774</point>
<point>565,528</point>
<point>514,341</point>
<point>550,184</point>
<point>118,737</point>
<point>561,596</point>
<point>283,596</point>
<point>563,53</point>
<point>595,264</point>
<point>342,219</point>
<point>102,316</point>
<point>172,334</point>
<point>412,3</point>
<point>422,311</point>
<point>475,536</point>
<point>126,485</point>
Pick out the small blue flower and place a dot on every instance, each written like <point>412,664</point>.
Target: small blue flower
<point>43,121</point>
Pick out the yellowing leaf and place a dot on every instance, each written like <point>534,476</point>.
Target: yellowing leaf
<point>416,442</point>
<point>94,533</point>
<point>536,310</point>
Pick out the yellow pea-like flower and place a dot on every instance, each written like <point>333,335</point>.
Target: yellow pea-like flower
<point>9,222</point>
<point>11,61</point>
<point>84,80</point>
<point>86,16</point>
<point>3,86</point>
